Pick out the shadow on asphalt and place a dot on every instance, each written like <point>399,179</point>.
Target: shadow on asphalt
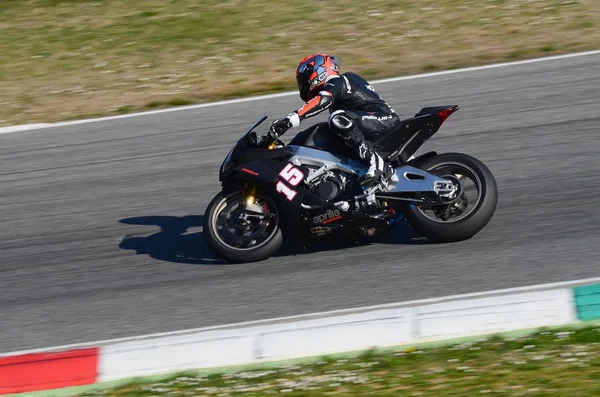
<point>170,244</point>
<point>175,243</point>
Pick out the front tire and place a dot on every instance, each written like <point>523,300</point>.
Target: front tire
<point>453,223</point>
<point>236,239</point>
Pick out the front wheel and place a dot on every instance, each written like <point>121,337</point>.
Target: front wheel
<point>239,231</point>
<point>470,205</point>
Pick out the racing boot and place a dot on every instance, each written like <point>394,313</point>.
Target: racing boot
<point>379,171</point>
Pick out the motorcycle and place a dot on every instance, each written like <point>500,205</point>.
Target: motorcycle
<point>307,191</point>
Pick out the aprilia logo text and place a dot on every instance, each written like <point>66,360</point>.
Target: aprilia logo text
<point>329,216</point>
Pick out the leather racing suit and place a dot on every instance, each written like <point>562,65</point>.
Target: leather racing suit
<point>357,114</point>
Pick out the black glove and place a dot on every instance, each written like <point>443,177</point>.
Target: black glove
<point>279,127</point>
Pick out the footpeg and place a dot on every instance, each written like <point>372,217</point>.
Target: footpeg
<point>343,205</point>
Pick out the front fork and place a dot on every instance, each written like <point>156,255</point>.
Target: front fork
<point>249,194</point>
<point>251,208</point>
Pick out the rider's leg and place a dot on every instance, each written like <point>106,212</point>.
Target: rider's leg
<point>347,125</point>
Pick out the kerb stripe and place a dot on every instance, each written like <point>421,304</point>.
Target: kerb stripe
<point>43,371</point>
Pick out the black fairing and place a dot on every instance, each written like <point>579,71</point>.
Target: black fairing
<point>250,161</point>
<point>264,173</point>
<point>246,151</point>
<point>257,154</point>
<point>402,142</point>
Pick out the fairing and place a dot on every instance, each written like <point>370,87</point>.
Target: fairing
<point>402,143</point>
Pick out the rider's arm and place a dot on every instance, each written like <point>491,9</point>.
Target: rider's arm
<point>331,91</point>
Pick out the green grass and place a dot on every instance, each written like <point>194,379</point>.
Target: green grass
<point>60,59</point>
<point>544,363</point>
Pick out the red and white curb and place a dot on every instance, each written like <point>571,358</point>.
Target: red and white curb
<point>291,337</point>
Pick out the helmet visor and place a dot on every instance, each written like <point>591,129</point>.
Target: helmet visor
<point>302,86</point>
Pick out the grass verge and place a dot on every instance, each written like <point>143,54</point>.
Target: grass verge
<point>65,59</point>
<point>543,363</point>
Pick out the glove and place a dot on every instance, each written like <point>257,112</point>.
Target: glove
<point>279,127</point>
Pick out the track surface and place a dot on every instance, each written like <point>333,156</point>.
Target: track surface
<point>101,233</point>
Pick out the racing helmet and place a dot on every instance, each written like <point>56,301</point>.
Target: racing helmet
<point>312,72</point>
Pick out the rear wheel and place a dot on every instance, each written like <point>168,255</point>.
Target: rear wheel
<point>239,231</point>
<point>471,200</point>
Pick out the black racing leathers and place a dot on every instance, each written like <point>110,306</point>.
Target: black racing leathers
<point>358,114</point>
<point>351,93</point>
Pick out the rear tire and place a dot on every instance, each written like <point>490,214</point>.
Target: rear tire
<point>220,239</point>
<point>464,228</point>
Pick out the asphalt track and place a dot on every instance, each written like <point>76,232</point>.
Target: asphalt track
<point>101,233</point>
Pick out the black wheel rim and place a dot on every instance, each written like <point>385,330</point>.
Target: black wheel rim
<point>468,194</point>
<point>238,231</point>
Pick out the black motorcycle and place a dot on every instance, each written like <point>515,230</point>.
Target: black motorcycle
<point>307,191</point>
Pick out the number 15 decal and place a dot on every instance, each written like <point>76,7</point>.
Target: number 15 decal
<point>293,176</point>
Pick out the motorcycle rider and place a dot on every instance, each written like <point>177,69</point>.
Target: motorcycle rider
<point>357,113</point>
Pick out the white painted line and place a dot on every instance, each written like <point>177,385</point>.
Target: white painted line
<point>23,127</point>
<point>420,302</point>
<point>490,66</point>
<point>28,127</point>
